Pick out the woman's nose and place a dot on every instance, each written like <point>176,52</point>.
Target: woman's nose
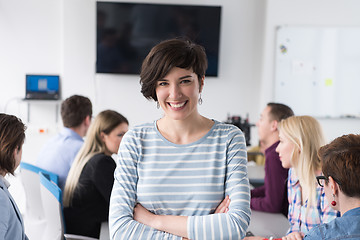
<point>175,91</point>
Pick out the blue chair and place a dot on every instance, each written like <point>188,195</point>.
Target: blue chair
<point>53,177</point>
<point>34,219</point>
<point>51,198</point>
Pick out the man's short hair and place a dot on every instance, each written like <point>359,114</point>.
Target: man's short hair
<point>279,111</point>
<point>74,110</point>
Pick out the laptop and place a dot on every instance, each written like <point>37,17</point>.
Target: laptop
<point>42,87</point>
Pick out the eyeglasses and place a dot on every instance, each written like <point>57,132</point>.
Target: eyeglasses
<point>321,180</point>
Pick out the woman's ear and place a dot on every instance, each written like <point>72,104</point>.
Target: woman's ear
<point>202,83</point>
<point>102,136</point>
<point>333,186</point>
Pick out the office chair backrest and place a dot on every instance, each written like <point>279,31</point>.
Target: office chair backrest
<point>52,204</point>
<point>51,198</point>
<point>31,182</point>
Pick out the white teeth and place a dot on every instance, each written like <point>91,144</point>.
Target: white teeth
<point>179,105</point>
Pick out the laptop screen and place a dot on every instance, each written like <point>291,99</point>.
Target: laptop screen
<point>42,87</point>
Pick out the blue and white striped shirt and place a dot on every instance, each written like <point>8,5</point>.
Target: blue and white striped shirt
<point>187,180</point>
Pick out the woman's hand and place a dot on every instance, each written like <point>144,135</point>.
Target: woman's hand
<point>294,236</point>
<point>142,215</point>
<point>176,225</point>
<point>223,206</point>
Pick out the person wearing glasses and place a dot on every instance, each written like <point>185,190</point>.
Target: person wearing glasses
<point>91,177</point>
<point>300,139</point>
<point>341,184</point>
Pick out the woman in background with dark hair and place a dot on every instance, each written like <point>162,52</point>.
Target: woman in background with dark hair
<point>341,182</point>
<point>12,136</point>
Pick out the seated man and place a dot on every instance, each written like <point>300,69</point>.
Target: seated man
<point>59,152</point>
<point>272,196</point>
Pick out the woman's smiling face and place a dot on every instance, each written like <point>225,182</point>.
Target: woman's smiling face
<point>178,93</point>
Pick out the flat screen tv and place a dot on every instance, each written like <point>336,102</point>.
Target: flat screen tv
<point>127,31</point>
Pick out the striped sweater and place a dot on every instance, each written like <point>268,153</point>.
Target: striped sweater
<point>187,180</point>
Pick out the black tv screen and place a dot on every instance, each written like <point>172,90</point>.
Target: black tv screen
<point>127,31</point>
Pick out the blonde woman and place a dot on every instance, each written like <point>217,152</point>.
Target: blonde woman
<point>300,139</point>
<point>90,180</point>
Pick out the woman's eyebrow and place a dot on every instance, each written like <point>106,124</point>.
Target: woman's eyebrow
<point>186,76</point>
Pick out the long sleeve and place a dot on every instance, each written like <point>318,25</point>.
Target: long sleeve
<point>258,192</point>
<point>275,192</point>
<point>124,197</point>
<point>231,225</point>
<point>187,180</point>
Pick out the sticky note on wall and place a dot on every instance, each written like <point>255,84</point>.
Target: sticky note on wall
<point>329,82</point>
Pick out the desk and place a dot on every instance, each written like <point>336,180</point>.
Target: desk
<point>268,224</point>
<point>256,175</point>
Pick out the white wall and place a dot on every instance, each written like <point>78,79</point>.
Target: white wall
<point>58,37</point>
<point>230,92</point>
<point>30,42</point>
<point>62,41</point>
<point>306,13</point>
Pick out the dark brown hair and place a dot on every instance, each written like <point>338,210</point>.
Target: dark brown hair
<point>279,111</point>
<point>12,136</point>
<point>341,160</point>
<point>74,110</point>
<point>179,52</point>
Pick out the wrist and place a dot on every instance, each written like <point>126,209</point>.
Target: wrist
<point>156,222</point>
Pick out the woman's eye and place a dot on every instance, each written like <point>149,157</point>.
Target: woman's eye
<point>185,81</point>
<point>162,83</point>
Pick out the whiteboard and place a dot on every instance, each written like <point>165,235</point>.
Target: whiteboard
<point>317,70</point>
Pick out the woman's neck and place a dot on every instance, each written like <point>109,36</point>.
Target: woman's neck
<point>347,203</point>
<point>184,131</point>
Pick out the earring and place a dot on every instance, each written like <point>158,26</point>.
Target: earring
<point>333,202</point>
<point>157,105</point>
<point>200,100</point>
